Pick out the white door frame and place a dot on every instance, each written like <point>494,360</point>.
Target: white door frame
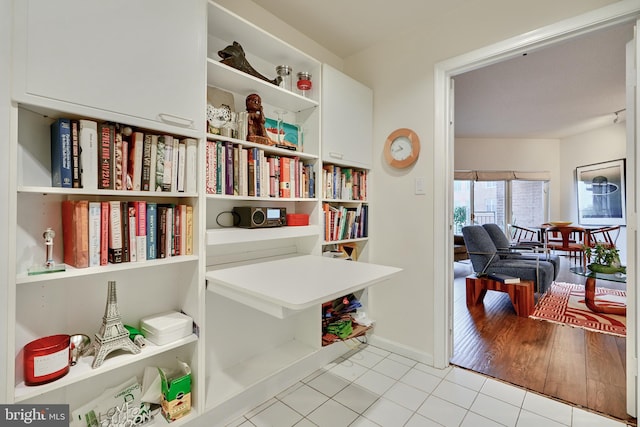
<point>443,158</point>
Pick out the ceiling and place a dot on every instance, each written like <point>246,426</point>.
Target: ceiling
<point>561,90</point>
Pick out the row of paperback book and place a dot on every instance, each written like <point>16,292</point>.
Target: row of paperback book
<point>92,155</point>
<point>344,183</point>
<point>342,223</point>
<point>99,233</point>
<point>233,169</point>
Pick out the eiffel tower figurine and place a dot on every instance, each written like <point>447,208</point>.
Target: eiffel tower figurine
<point>112,335</point>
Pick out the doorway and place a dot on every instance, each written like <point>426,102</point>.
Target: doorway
<point>443,163</point>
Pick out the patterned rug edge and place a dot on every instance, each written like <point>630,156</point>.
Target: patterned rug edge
<point>604,328</point>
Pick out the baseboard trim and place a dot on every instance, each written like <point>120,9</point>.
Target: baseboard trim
<point>401,349</point>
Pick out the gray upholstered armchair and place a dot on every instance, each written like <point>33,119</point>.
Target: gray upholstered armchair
<point>506,250</point>
<point>485,259</point>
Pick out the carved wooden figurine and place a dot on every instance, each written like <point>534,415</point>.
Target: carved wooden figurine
<point>256,132</point>
<point>233,56</point>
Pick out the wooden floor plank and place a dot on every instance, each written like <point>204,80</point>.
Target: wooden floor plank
<point>571,364</point>
<point>567,374</point>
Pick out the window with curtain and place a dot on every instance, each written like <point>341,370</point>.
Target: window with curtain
<point>500,197</point>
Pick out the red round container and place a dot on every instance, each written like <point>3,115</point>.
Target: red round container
<point>46,359</point>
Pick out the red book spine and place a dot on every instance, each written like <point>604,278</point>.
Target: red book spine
<point>104,233</point>
<point>141,230</point>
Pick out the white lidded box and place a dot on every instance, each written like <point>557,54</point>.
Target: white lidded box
<point>166,327</point>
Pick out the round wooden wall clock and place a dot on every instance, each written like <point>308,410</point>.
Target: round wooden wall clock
<point>402,148</point>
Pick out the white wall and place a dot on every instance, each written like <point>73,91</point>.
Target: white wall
<point>524,155</point>
<point>401,73</point>
<point>5,104</point>
<point>600,145</point>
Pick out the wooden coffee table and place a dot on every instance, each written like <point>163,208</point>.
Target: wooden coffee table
<point>521,294</point>
<point>590,290</point>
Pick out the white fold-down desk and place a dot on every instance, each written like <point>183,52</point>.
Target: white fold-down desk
<point>285,286</point>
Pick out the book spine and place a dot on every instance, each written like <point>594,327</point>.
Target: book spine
<point>220,170</point>
<point>105,209</point>
<point>162,232</point>
<point>285,182</point>
<point>182,163</point>
<point>136,149</point>
<point>236,170</point>
<point>95,215</point>
<point>146,164</point>
<point>160,163</point>
<point>191,179</point>
<point>61,168</point>
<point>115,233</point>
<point>152,230</point>
<point>251,181</point>
<point>258,172</point>
<point>276,166</point>
<point>68,232</point>
<point>105,157</point>
<point>120,180</point>
<point>189,231</point>
<point>131,237</point>
<point>216,170</point>
<point>177,231</point>
<point>168,163</point>
<point>89,154</point>
<point>76,176</point>
<point>174,163</point>
<point>210,168</point>
<point>154,162</point>
<point>243,174</point>
<point>228,168</point>
<point>141,229</point>
<point>124,173</point>
<point>82,237</point>
<point>124,217</point>
<point>169,239</point>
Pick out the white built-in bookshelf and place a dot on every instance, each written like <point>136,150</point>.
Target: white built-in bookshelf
<point>255,294</point>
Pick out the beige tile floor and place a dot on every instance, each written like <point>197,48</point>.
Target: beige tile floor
<point>371,387</point>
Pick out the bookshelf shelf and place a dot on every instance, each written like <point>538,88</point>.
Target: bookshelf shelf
<point>225,236</point>
<point>268,149</point>
<point>223,76</point>
<point>83,370</point>
<point>23,278</point>
<point>345,201</point>
<point>273,200</point>
<point>336,242</point>
<point>103,193</point>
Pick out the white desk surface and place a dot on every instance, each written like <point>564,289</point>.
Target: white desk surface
<point>299,282</point>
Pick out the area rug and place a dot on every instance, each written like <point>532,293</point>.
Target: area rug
<point>564,303</point>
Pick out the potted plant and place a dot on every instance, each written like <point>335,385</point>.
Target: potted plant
<point>605,259</point>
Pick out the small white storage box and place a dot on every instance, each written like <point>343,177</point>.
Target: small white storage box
<point>167,327</point>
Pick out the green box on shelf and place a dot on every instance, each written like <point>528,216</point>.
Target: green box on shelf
<point>176,392</point>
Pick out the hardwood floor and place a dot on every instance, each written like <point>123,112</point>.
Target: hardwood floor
<point>581,367</point>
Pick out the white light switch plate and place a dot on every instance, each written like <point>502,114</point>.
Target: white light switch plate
<point>419,186</point>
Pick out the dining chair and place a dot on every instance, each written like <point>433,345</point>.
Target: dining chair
<point>523,236</point>
<point>569,239</point>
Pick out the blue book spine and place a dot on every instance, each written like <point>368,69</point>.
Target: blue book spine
<point>61,170</point>
<point>152,230</point>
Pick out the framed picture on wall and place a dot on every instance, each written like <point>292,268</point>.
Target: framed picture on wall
<point>601,193</point>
